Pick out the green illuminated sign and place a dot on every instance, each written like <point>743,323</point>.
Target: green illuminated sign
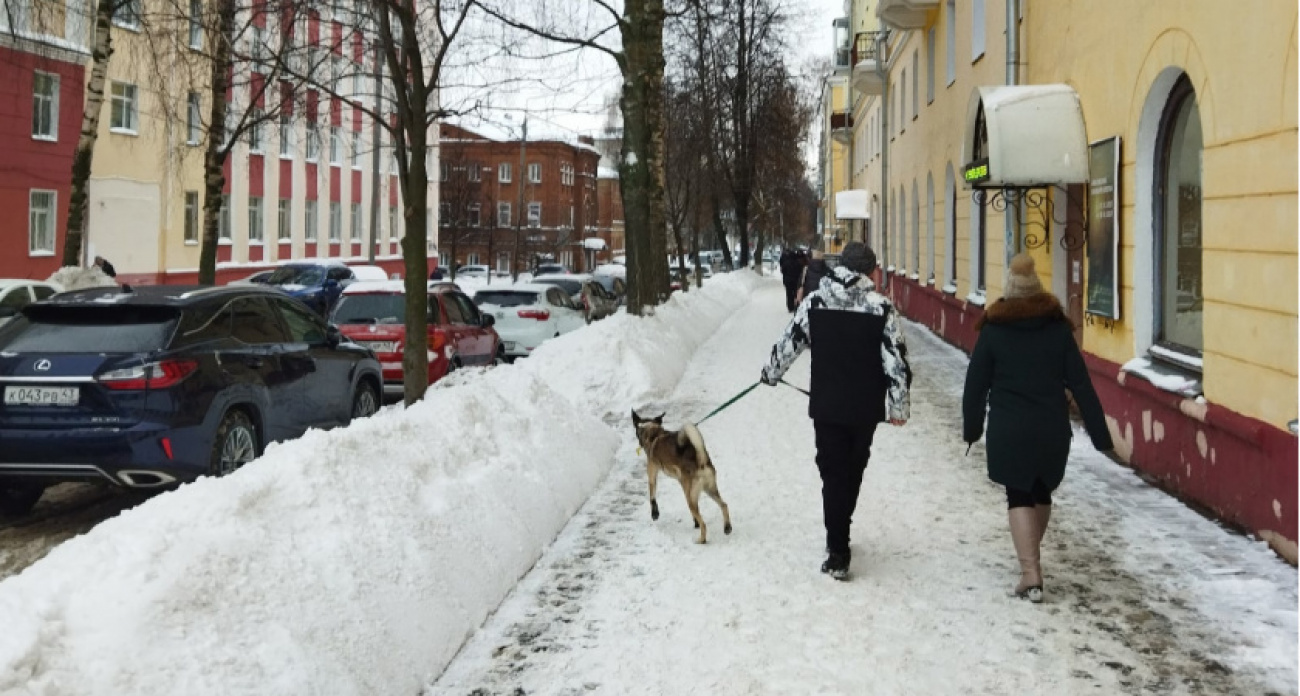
<point>976,172</point>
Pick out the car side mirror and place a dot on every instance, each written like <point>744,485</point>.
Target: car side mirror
<point>330,284</point>
<point>333,336</point>
<point>487,320</point>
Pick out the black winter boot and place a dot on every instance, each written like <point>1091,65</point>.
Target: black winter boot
<point>836,565</point>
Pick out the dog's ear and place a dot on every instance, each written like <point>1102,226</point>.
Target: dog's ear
<point>660,418</point>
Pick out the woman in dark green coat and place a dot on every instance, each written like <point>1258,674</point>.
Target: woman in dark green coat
<point>1024,360</point>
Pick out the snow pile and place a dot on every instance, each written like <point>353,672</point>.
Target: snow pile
<point>77,278</point>
<point>355,561</point>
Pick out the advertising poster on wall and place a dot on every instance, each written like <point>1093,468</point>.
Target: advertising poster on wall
<point>1103,228</point>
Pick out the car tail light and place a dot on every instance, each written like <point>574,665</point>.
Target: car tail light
<point>538,314</point>
<point>158,375</point>
<point>167,446</point>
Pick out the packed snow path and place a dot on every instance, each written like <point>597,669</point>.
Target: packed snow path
<point>1143,595</point>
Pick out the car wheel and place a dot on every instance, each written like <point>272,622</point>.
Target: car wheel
<point>500,358</point>
<point>235,444</point>
<point>364,402</point>
<point>17,499</point>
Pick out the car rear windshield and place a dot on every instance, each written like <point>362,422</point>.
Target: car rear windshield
<point>297,275</point>
<point>371,309</point>
<point>505,298</point>
<point>121,329</point>
<point>572,287</point>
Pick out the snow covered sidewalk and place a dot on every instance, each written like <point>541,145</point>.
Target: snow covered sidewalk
<point>1144,595</point>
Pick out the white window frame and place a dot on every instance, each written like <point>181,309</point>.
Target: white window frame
<point>196,24</point>
<point>354,225</point>
<point>310,220</point>
<point>48,213</point>
<point>313,142</point>
<point>191,228</point>
<point>504,173</point>
<point>535,215</point>
<point>129,101</point>
<point>284,220</point>
<point>950,40</point>
<point>916,83</point>
<point>535,173</point>
<point>473,171</point>
<point>902,102</point>
<point>256,221</point>
<point>504,212</point>
<point>977,30</point>
<point>474,215</point>
<point>336,222</point>
<point>51,100</point>
<point>127,15</point>
<point>356,149</point>
<point>193,117</point>
<point>929,65</point>
<point>286,135</point>
<point>223,220</point>
<point>471,259</point>
<point>336,147</point>
<point>255,140</point>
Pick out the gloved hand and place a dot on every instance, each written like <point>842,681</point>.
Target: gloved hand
<point>768,380</point>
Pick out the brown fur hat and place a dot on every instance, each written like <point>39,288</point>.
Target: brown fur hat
<point>1022,280</point>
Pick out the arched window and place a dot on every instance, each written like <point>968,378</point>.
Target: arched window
<point>1179,303</point>
<point>950,225</point>
<point>916,231</point>
<point>890,236</point>
<point>929,225</point>
<point>902,229</point>
<point>978,226</point>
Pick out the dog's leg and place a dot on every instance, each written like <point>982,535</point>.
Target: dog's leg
<point>711,487</point>
<point>652,473</point>
<point>692,491</point>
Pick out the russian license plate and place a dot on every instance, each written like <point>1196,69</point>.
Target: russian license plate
<point>42,396</point>
<point>380,346</point>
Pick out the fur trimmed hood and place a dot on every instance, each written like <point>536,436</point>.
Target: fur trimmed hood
<point>1043,307</point>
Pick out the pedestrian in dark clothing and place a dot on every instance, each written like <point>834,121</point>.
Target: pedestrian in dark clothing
<point>791,267</point>
<point>812,276</point>
<point>1024,360</point>
<point>103,265</point>
<point>860,378</point>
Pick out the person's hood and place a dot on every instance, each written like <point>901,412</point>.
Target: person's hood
<point>818,265</point>
<point>1029,312</point>
<point>844,288</point>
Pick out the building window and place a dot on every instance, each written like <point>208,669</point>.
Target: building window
<point>929,226</point>
<point>45,106</point>
<point>313,142</point>
<point>284,221</point>
<point>535,173</point>
<point>950,40</point>
<point>191,217</point>
<point>929,66</point>
<point>916,83</point>
<point>392,221</point>
<point>976,29</point>
<point>356,149</point>
<point>534,214</point>
<point>310,221</point>
<point>196,24</point>
<point>354,232</point>
<point>335,146</point>
<point>40,223</point>
<point>475,215</point>
<point>255,130</point>
<point>444,214</point>
<point>979,218</point>
<point>336,221</point>
<point>193,120</point>
<point>900,234</point>
<point>916,230</point>
<point>223,229</point>
<point>902,102</point>
<point>950,228</point>
<point>503,262</point>
<point>444,172</point>
<point>1180,303</point>
<point>503,215</point>
<point>472,171</point>
<point>504,173</point>
<point>125,114</point>
<point>336,74</point>
<point>255,232</point>
<point>127,14</point>
<point>286,134</point>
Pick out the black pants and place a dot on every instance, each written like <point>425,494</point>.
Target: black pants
<point>1038,495</point>
<point>842,453</point>
<point>791,287</point>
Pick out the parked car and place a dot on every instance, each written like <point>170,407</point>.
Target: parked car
<point>317,285</point>
<point>258,278</point>
<point>369,273</point>
<point>165,384</point>
<point>528,314</point>
<point>459,335</point>
<point>615,284</point>
<point>550,269</point>
<point>16,294</point>
<point>597,302</point>
<point>472,271</point>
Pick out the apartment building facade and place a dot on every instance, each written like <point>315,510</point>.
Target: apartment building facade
<point>1146,158</point>
<point>540,197</point>
<point>299,186</point>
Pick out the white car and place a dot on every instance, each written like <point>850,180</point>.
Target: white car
<point>16,294</point>
<point>369,273</point>
<point>472,271</point>
<point>528,314</point>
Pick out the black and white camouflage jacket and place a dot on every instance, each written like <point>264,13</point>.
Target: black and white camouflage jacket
<point>845,290</point>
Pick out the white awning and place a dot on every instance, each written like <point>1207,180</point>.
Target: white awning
<point>851,204</point>
<point>594,243</point>
<point>1036,137</point>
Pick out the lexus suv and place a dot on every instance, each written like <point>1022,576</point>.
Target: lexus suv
<point>163,384</point>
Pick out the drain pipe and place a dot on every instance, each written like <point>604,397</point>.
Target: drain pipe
<point>882,41</point>
<point>1014,212</point>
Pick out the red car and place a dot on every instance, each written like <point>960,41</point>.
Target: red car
<point>372,315</point>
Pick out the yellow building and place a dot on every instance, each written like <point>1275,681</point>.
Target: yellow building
<point>1145,153</point>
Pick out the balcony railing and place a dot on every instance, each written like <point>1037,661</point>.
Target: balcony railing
<point>865,45</point>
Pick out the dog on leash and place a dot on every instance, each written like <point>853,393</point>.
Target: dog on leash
<point>682,456</point>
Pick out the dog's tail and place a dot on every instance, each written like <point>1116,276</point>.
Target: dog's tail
<point>692,434</point>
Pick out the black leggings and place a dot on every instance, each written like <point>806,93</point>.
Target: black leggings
<point>1038,495</point>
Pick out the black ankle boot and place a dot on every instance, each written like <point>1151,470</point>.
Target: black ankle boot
<point>836,565</point>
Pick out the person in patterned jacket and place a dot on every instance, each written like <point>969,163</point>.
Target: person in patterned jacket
<point>860,378</point>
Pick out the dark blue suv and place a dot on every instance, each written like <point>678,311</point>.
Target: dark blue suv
<point>317,285</point>
<point>165,384</point>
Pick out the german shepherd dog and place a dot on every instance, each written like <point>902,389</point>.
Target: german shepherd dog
<point>682,456</point>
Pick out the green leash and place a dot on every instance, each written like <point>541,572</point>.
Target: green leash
<point>733,400</point>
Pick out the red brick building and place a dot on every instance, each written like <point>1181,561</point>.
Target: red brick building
<point>490,205</point>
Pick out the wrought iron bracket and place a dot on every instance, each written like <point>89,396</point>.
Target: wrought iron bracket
<point>1038,228</point>
<point>1099,320</point>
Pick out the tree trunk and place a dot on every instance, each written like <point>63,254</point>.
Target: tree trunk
<point>415,255</point>
<point>101,51</point>
<point>214,159</point>
<point>641,166</point>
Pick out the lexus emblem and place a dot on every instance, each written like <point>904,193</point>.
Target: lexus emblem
<point>42,365</point>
